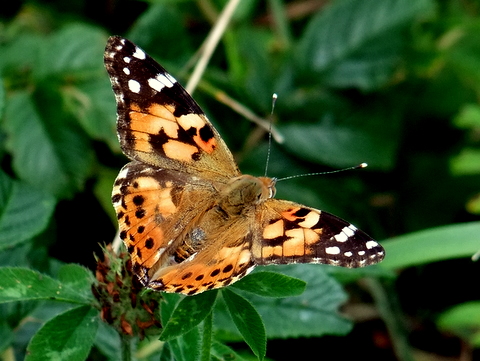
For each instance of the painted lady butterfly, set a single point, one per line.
(190, 220)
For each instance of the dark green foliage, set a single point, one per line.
(393, 83)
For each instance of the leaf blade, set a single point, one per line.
(22, 284)
(248, 322)
(68, 336)
(188, 314)
(271, 284)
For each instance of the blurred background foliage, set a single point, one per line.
(394, 83)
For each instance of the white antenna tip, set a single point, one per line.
(363, 165)
(274, 96)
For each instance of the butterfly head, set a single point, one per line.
(269, 183)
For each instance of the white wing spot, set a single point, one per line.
(139, 54)
(350, 230)
(371, 244)
(166, 79)
(361, 253)
(134, 86)
(345, 233)
(171, 78)
(155, 84)
(126, 59)
(341, 237)
(348, 254)
(332, 250)
(126, 71)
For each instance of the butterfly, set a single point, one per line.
(189, 219)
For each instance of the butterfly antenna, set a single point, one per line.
(362, 165)
(274, 100)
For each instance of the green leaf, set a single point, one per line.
(473, 204)
(24, 211)
(248, 322)
(108, 342)
(162, 23)
(21, 284)
(271, 284)
(103, 190)
(250, 64)
(187, 346)
(461, 55)
(60, 159)
(431, 245)
(343, 141)
(463, 320)
(78, 49)
(468, 117)
(207, 332)
(68, 336)
(169, 302)
(312, 314)
(21, 52)
(357, 41)
(6, 335)
(78, 278)
(466, 163)
(224, 353)
(188, 314)
(92, 103)
(2, 97)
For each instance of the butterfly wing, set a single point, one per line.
(177, 239)
(208, 269)
(288, 232)
(154, 207)
(158, 122)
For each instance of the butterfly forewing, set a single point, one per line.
(292, 233)
(184, 214)
(158, 122)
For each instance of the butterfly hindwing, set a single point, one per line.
(206, 270)
(176, 235)
(153, 208)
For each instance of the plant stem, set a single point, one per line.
(126, 347)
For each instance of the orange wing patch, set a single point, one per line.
(200, 272)
(157, 127)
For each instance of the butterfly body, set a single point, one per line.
(189, 219)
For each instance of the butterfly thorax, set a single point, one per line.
(244, 193)
(236, 201)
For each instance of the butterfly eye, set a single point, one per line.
(273, 191)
